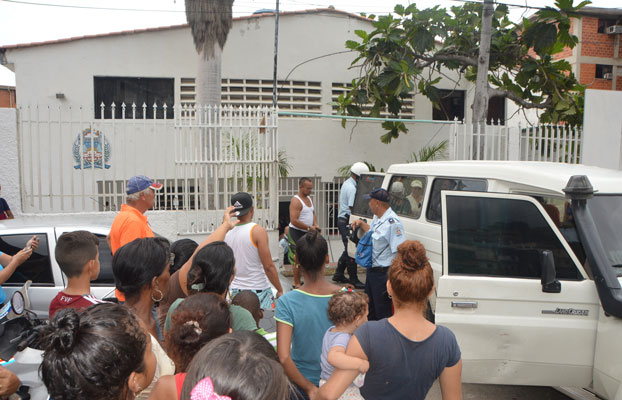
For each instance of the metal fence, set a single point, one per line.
(74, 160)
(554, 143)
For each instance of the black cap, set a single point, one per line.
(378, 194)
(242, 202)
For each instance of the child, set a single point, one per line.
(77, 255)
(301, 319)
(249, 300)
(347, 310)
(240, 366)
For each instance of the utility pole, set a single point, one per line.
(276, 53)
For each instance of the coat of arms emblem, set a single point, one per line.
(91, 150)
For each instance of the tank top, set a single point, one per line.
(179, 383)
(249, 269)
(306, 214)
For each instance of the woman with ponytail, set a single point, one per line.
(141, 272)
(102, 353)
(301, 318)
(406, 352)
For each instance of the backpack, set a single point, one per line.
(364, 250)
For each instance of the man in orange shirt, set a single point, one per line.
(131, 223)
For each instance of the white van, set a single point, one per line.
(528, 266)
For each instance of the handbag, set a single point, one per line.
(364, 250)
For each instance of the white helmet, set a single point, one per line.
(359, 168)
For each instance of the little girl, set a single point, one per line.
(347, 310)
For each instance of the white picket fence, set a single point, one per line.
(553, 143)
(76, 160)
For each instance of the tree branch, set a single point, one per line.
(450, 57)
(492, 92)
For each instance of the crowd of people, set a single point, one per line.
(185, 324)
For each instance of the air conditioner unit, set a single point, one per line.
(608, 76)
(614, 29)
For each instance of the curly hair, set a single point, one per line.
(90, 355)
(345, 307)
(410, 274)
(198, 319)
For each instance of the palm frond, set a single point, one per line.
(430, 153)
(210, 22)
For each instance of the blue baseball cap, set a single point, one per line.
(139, 183)
(378, 194)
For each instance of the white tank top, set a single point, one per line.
(306, 214)
(249, 269)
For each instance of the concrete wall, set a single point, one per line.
(602, 129)
(9, 160)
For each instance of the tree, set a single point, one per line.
(210, 22)
(403, 53)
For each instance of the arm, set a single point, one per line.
(283, 344)
(217, 235)
(9, 214)
(294, 215)
(14, 262)
(259, 236)
(342, 378)
(338, 358)
(315, 224)
(9, 383)
(451, 382)
(164, 389)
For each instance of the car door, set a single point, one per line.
(40, 268)
(490, 294)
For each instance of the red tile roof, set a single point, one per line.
(163, 28)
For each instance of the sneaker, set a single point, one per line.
(357, 284)
(340, 279)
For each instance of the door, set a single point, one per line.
(490, 293)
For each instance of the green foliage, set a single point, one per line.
(430, 153)
(396, 58)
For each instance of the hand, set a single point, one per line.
(313, 393)
(33, 242)
(9, 383)
(316, 227)
(364, 366)
(227, 218)
(22, 255)
(278, 294)
(356, 223)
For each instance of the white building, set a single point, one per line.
(160, 65)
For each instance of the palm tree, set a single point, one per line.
(210, 23)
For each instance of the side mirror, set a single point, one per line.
(18, 303)
(548, 279)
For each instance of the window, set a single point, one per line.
(450, 106)
(601, 70)
(365, 185)
(37, 268)
(496, 110)
(434, 205)
(139, 91)
(106, 277)
(407, 195)
(604, 23)
(502, 237)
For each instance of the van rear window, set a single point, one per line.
(365, 185)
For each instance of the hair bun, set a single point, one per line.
(413, 255)
(65, 327)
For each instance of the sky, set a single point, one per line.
(26, 21)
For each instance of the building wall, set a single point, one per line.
(9, 160)
(602, 137)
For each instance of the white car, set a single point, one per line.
(41, 268)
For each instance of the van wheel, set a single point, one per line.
(429, 315)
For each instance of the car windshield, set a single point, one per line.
(607, 213)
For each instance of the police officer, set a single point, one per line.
(387, 234)
(346, 202)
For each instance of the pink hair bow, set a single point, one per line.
(204, 390)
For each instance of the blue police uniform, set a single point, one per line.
(346, 200)
(388, 234)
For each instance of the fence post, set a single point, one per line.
(453, 135)
(514, 143)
